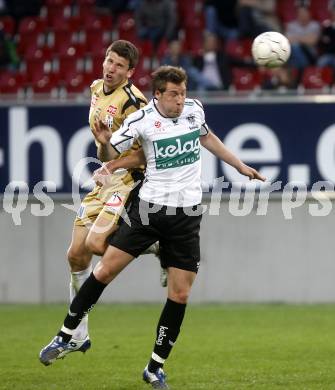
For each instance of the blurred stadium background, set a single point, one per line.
(288, 133)
(55, 47)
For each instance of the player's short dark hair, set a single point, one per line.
(126, 50)
(167, 74)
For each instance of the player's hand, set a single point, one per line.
(251, 173)
(101, 132)
(102, 175)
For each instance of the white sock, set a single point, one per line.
(77, 280)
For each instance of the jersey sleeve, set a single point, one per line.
(134, 101)
(131, 106)
(124, 138)
(204, 130)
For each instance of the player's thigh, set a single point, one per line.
(101, 229)
(107, 221)
(112, 263)
(180, 282)
(90, 208)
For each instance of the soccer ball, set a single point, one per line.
(270, 49)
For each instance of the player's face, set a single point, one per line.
(171, 101)
(115, 71)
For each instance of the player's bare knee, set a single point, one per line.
(103, 272)
(78, 260)
(71, 256)
(180, 296)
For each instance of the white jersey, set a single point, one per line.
(172, 150)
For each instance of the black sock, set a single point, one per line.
(82, 303)
(167, 331)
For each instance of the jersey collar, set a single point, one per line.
(126, 82)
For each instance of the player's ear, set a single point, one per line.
(130, 73)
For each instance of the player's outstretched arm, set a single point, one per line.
(134, 160)
(212, 143)
(103, 134)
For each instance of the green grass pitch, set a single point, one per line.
(220, 347)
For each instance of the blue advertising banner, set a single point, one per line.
(287, 142)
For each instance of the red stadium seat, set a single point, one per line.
(142, 81)
(58, 3)
(56, 16)
(320, 10)
(7, 24)
(94, 66)
(11, 82)
(96, 41)
(32, 24)
(78, 83)
(86, 14)
(70, 60)
(194, 41)
(162, 48)
(46, 84)
(141, 78)
(146, 48)
(39, 53)
(29, 42)
(286, 10)
(92, 21)
(60, 40)
(191, 14)
(317, 78)
(127, 28)
(68, 66)
(189, 9)
(239, 49)
(245, 79)
(72, 50)
(35, 68)
(72, 24)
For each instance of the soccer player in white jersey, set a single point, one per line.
(171, 129)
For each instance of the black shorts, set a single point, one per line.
(138, 178)
(176, 229)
